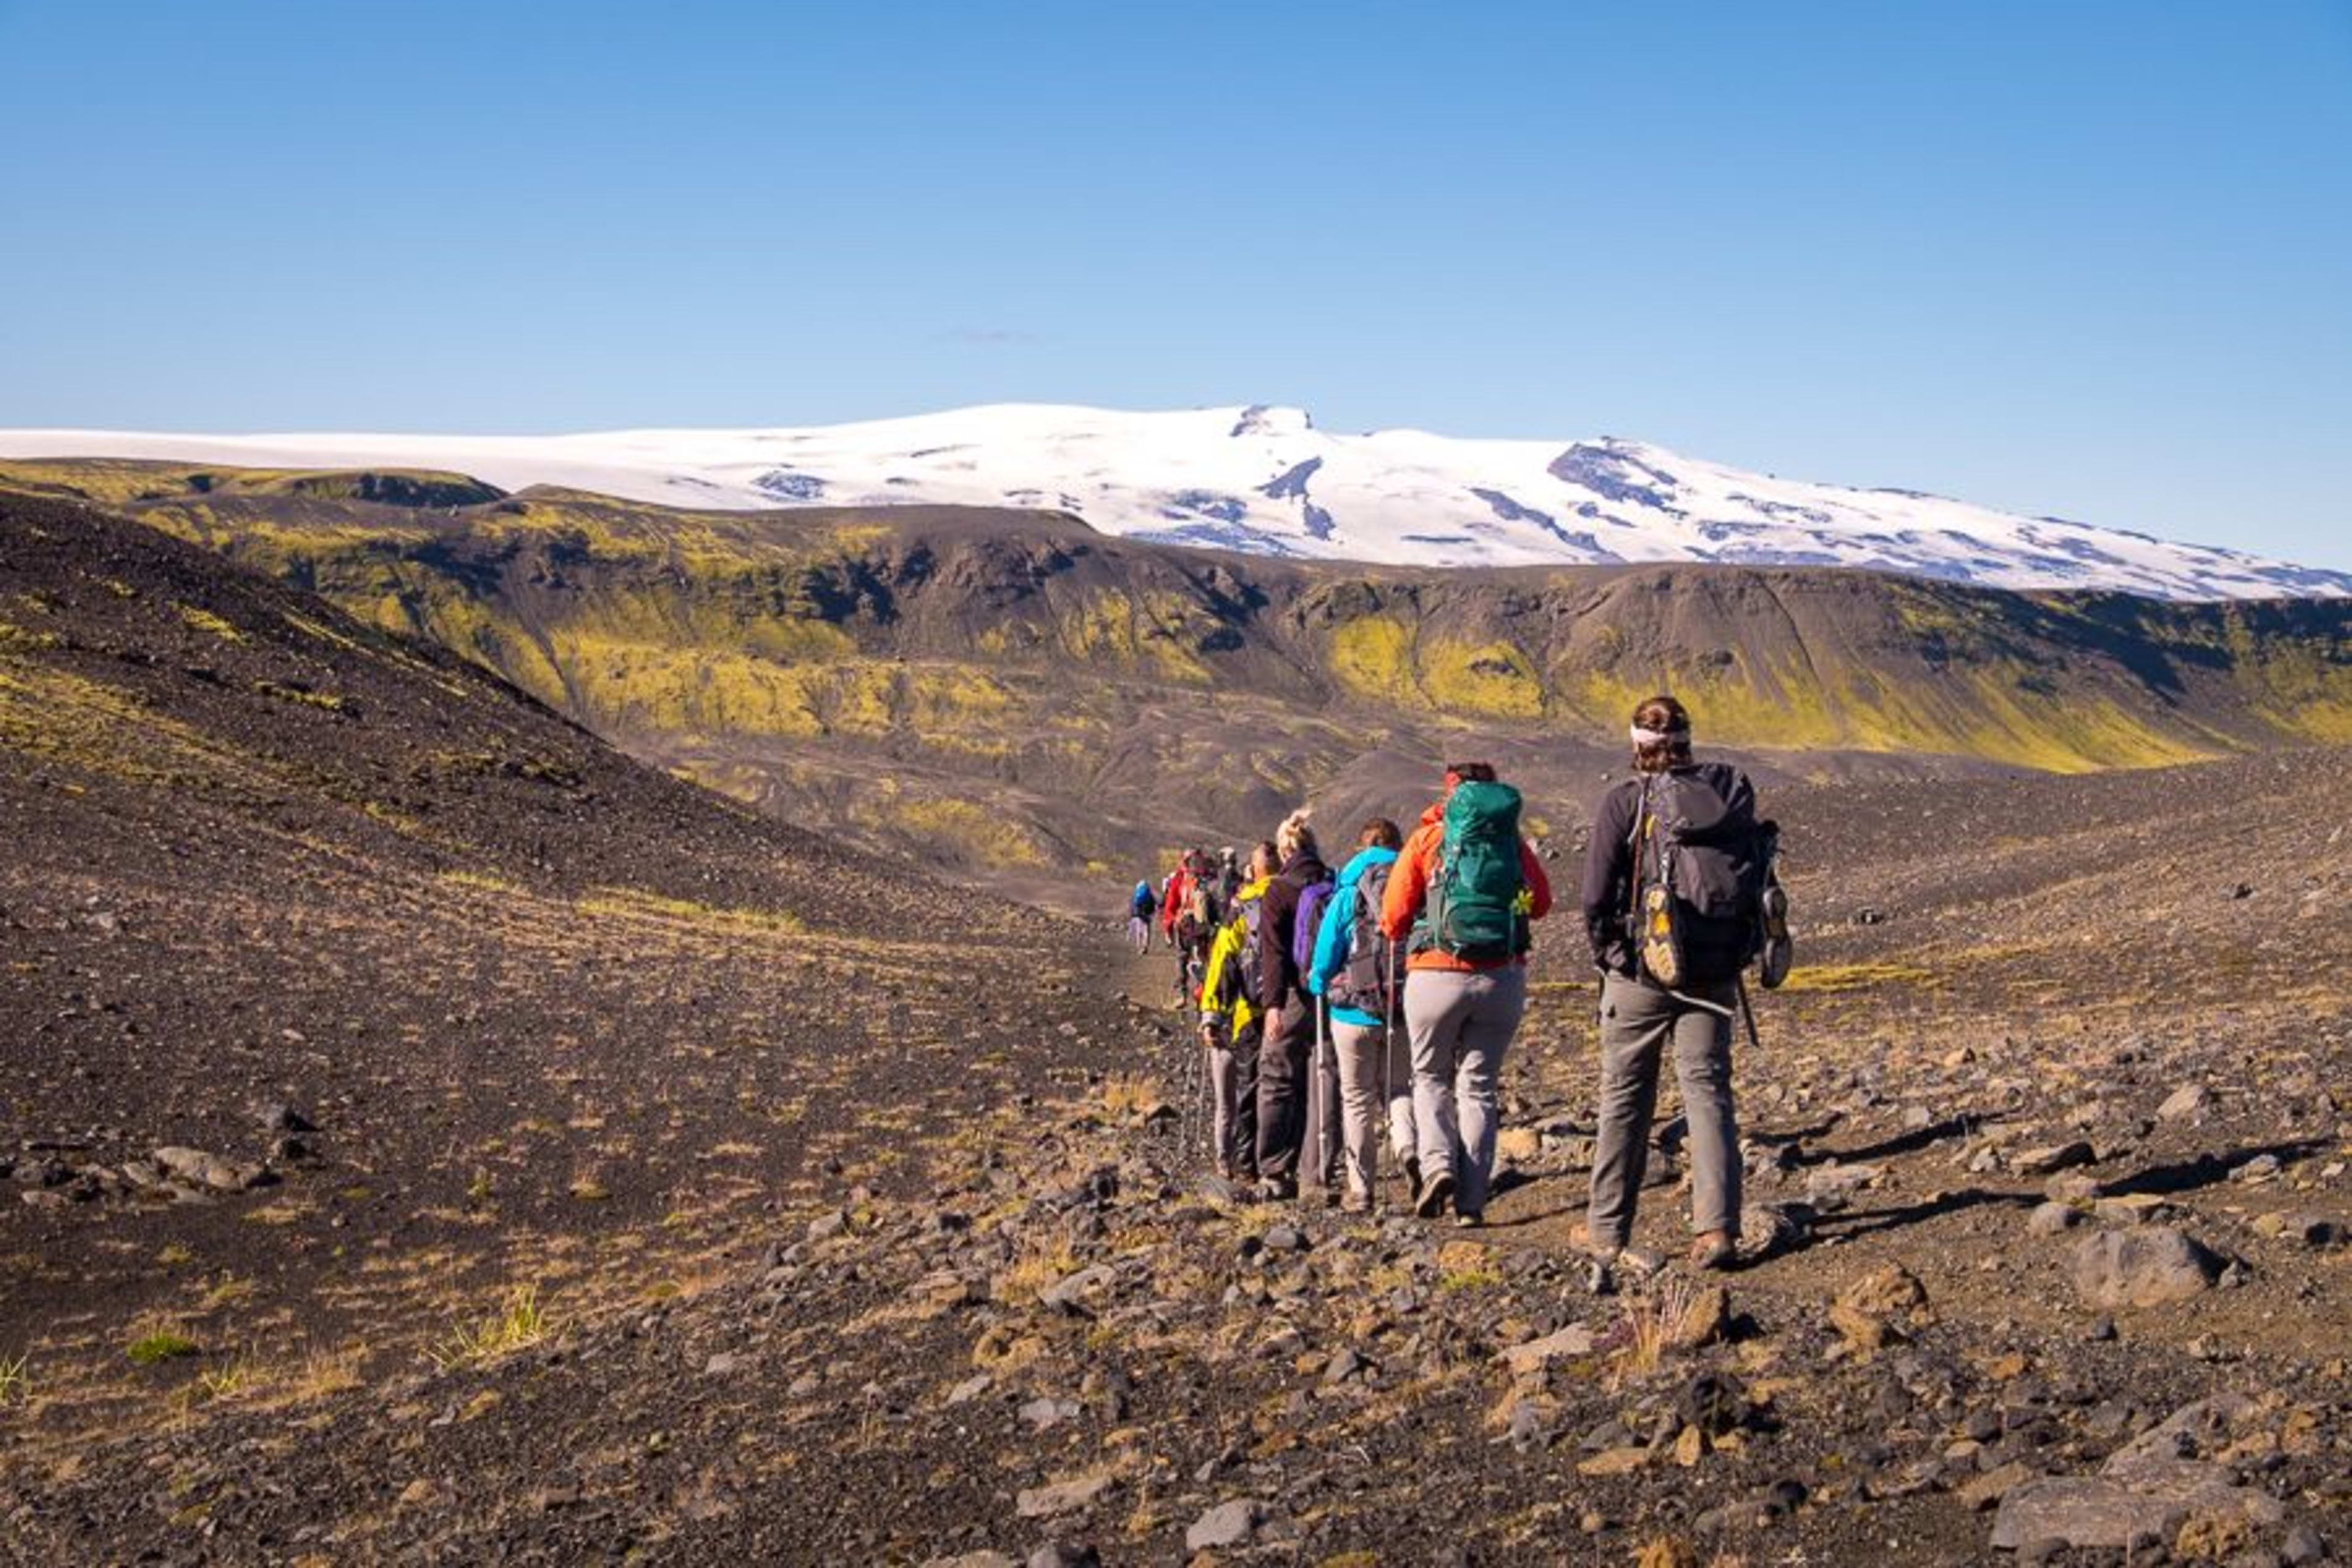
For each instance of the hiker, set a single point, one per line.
(1233, 1025)
(1284, 1058)
(1196, 928)
(1354, 969)
(1139, 910)
(1173, 900)
(1677, 836)
(1464, 892)
(1229, 876)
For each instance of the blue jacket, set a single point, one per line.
(1338, 933)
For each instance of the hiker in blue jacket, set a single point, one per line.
(1354, 971)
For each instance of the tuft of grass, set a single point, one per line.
(15, 1384)
(163, 1345)
(228, 1292)
(522, 1323)
(1651, 1317)
(206, 621)
(228, 1380)
(1126, 1097)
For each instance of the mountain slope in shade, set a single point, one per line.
(1266, 480)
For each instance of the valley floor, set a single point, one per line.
(945, 1296)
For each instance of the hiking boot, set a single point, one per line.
(1412, 1179)
(1436, 1195)
(1715, 1250)
(1468, 1219)
(1275, 1190)
(1356, 1203)
(1601, 1276)
(1780, 952)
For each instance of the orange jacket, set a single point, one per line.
(1409, 887)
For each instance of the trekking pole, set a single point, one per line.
(1748, 1014)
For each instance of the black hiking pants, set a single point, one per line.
(1239, 1156)
(1283, 1066)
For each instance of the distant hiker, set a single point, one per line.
(1229, 876)
(1356, 970)
(1139, 910)
(1173, 900)
(1288, 1053)
(1196, 928)
(1233, 1025)
(1674, 879)
(1463, 893)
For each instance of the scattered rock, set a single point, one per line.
(2049, 1219)
(1707, 1321)
(2145, 1490)
(1575, 1340)
(1233, 1523)
(1062, 1496)
(199, 1168)
(2056, 1157)
(2142, 1267)
(2190, 1099)
(1882, 1306)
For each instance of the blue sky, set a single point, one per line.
(2086, 259)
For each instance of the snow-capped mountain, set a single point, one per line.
(1265, 479)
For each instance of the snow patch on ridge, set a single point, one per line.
(1263, 478)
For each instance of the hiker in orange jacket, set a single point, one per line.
(1461, 1007)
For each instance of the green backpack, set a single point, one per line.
(1477, 896)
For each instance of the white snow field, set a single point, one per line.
(1265, 479)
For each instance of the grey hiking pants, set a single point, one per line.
(1319, 1157)
(1638, 1022)
(1461, 1022)
(1364, 1081)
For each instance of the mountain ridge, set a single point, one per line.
(1016, 696)
(1265, 480)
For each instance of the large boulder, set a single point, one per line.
(2142, 1266)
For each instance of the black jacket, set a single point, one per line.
(1279, 982)
(1609, 856)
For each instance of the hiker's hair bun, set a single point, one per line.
(1294, 834)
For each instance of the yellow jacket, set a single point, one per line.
(1222, 1005)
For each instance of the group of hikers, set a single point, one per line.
(1377, 1004)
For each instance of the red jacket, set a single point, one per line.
(1172, 902)
(1409, 889)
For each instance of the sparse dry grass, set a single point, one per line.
(1127, 1098)
(1652, 1317)
(16, 1382)
(522, 1323)
(1835, 978)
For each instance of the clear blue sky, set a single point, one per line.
(2090, 260)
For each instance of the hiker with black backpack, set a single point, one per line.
(1354, 970)
(1287, 1057)
(1678, 898)
(1462, 895)
(1233, 1023)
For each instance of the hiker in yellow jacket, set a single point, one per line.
(1232, 1025)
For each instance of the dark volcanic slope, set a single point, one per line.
(555, 1015)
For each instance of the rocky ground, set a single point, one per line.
(434, 1139)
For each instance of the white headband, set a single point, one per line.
(1656, 736)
